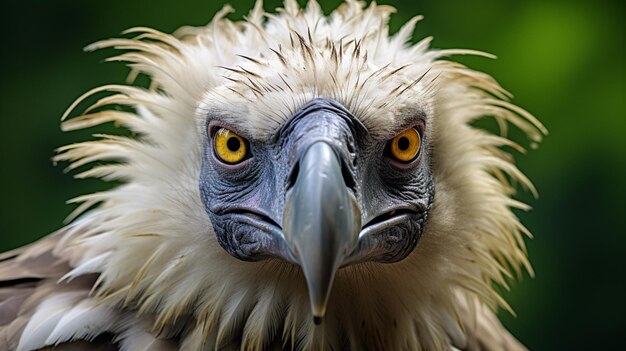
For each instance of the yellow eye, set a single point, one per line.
(406, 145)
(230, 147)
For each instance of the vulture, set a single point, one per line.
(293, 180)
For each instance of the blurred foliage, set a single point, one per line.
(563, 60)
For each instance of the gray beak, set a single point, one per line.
(321, 222)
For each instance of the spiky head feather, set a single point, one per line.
(150, 241)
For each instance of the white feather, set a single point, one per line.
(84, 321)
(46, 318)
(92, 265)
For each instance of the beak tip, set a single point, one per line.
(318, 310)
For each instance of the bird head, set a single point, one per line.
(296, 166)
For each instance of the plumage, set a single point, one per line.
(139, 266)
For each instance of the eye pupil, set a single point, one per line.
(233, 144)
(403, 143)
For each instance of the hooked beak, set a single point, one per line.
(321, 222)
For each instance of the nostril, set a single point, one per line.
(293, 176)
(348, 177)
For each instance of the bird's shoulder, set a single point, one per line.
(34, 306)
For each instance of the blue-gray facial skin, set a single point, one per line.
(249, 202)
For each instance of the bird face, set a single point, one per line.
(321, 192)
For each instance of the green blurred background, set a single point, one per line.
(563, 60)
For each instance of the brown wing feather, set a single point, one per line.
(101, 343)
(27, 276)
